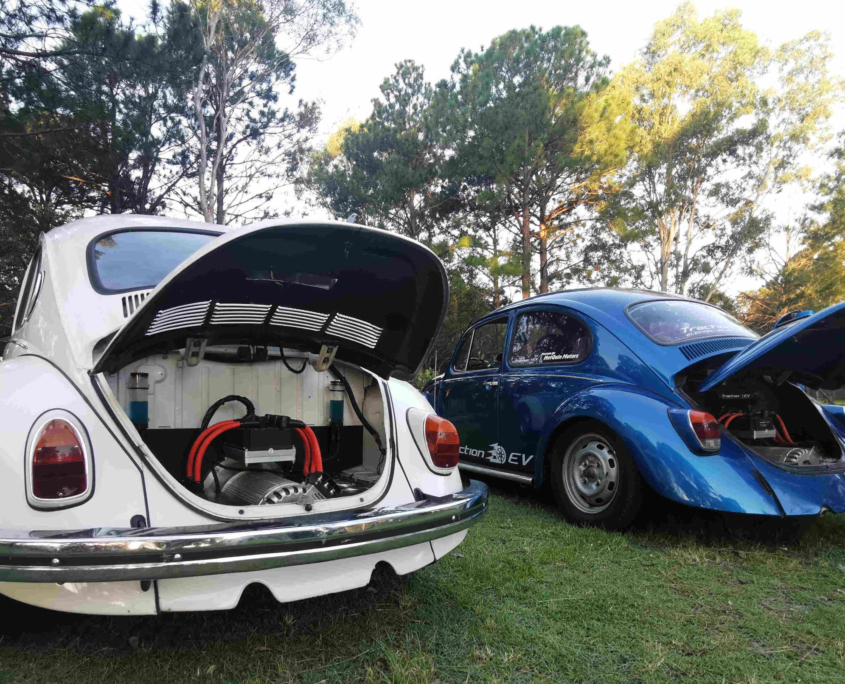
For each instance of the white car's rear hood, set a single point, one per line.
(378, 296)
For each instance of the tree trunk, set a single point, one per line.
(526, 245)
(544, 265)
(544, 252)
(667, 229)
(221, 196)
(497, 298)
(412, 216)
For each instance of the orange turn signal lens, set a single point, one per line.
(443, 442)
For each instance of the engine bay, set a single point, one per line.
(243, 429)
(777, 420)
(752, 413)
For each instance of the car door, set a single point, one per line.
(469, 394)
(542, 367)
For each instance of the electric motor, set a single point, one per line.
(254, 488)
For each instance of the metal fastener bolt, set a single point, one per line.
(177, 556)
(56, 561)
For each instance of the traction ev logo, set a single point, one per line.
(497, 454)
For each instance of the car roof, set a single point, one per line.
(604, 297)
(80, 312)
(607, 305)
(82, 231)
(610, 300)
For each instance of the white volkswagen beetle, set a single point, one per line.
(187, 409)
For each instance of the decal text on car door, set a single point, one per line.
(497, 454)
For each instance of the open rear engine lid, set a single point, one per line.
(810, 351)
(378, 296)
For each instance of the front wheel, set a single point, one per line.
(594, 479)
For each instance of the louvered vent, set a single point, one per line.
(236, 314)
(696, 349)
(131, 302)
(298, 318)
(355, 330)
(185, 316)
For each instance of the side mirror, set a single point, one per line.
(791, 317)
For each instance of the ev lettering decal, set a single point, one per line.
(498, 455)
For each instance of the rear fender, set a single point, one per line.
(723, 482)
(29, 387)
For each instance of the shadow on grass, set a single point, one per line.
(667, 520)
(37, 630)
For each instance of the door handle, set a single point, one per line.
(491, 383)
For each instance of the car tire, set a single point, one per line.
(594, 478)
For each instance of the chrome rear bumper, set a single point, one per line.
(119, 554)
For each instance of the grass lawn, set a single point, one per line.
(527, 598)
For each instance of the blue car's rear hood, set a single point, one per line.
(810, 351)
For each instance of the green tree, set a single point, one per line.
(386, 169)
(522, 114)
(245, 144)
(813, 275)
(123, 89)
(711, 144)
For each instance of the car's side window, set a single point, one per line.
(29, 290)
(543, 338)
(463, 353)
(488, 342)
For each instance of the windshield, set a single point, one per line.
(140, 259)
(673, 322)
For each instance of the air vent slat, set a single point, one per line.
(185, 316)
(298, 318)
(355, 330)
(236, 314)
(697, 349)
(132, 302)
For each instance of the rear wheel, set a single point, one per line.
(594, 479)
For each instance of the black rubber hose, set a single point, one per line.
(334, 371)
(250, 408)
(288, 366)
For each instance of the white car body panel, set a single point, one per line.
(222, 592)
(94, 598)
(46, 367)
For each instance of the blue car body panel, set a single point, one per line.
(724, 481)
(810, 348)
(508, 417)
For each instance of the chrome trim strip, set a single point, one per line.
(120, 554)
(511, 375)
(492, 472)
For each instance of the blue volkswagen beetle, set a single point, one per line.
(614, 395)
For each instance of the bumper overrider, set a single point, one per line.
(120, 554)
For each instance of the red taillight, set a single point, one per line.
(58, 462)
(706, 429)
(443, 442)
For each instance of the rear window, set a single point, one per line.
(676, 322)
(140, 259)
